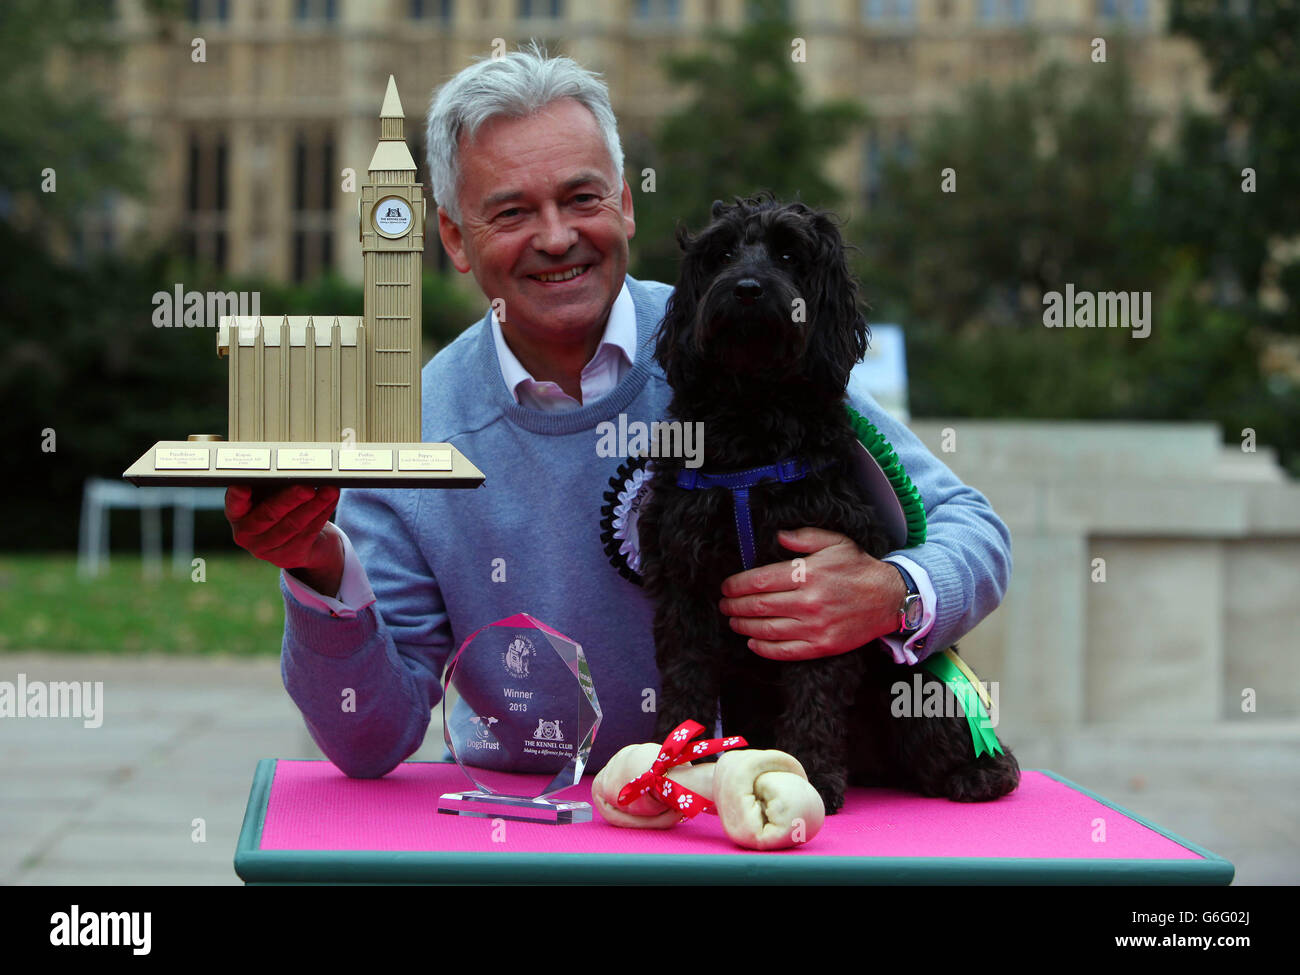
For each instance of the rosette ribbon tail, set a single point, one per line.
(961, 680)
(678, 749)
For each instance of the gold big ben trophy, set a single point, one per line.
(332, 399)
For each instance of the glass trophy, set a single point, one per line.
(519, 716)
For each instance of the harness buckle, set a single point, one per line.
(791, 470)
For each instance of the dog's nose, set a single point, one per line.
(748, 291)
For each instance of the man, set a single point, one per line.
(525, 165)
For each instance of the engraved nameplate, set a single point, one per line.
(181, 458)
(243, 458)
(304, 459)
(433, 459)
(365, 460)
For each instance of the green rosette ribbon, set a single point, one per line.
(981, 728)
(883, 453)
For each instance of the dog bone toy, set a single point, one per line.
(763, 797)
(765, 800)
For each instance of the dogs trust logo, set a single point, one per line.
(516, 656)
(483, 737)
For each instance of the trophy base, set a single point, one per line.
(489, 806)
(217, 463)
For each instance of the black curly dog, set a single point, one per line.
(768, 385)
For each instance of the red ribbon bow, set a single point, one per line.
(676, 752)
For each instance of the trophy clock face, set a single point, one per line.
(520, 713)
(391, 217)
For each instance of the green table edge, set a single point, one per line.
(265, 867)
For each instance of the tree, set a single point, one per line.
(1009, 195)
(745, 128)
(1252, 48)
(50, 123)
(1058, 182)
(1238, 168)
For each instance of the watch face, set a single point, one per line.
(913, 612)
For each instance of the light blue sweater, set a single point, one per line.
(430, 557)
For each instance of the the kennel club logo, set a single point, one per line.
(548, 742)
(392, 216)
(548, 731)
(516, 656)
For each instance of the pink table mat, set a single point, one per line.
(314, 806)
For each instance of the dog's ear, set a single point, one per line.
(840, 334)
(683, 237)
(673, 346)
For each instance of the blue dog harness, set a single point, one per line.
(739, 483)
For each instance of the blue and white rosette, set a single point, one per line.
(628, 493)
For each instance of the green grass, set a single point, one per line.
(44, 605)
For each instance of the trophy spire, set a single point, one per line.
(392, 154)
(392, 107)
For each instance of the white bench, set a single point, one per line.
(101, 496)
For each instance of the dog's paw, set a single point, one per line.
(832, 799)
(982, 779)
(831, 789)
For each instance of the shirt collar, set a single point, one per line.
(620, 334)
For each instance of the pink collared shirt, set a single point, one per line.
(613, 358)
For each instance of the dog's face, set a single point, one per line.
(764, 293)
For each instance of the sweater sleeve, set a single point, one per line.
(967, 551)
(365, 684)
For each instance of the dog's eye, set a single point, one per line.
(788, 258)
(727, 257)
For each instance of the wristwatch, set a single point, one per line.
(911, 610)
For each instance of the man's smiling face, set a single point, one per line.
(545, 224)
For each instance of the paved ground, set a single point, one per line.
(181, 737)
